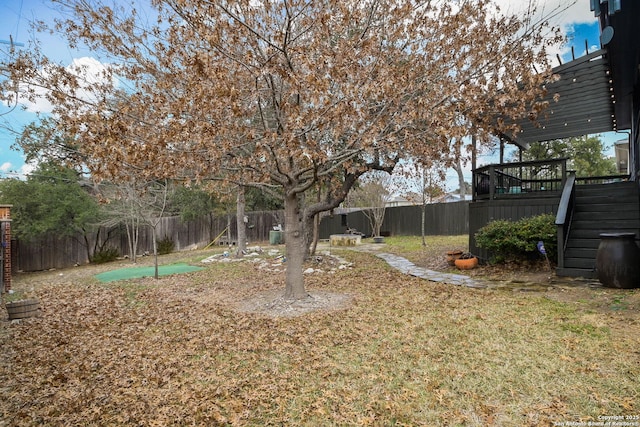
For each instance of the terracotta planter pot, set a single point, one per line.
(452, 256)
(466, 264)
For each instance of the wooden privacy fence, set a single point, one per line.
(445, 219)
(66, 251)
(62, 252)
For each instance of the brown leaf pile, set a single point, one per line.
(185, 350)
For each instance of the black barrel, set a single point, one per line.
(618, 261)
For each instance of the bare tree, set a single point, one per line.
(241, 222)
(122, 210)
(135, 204)
(457, 166)
(373, 195)
(151, 206)
(422, 182)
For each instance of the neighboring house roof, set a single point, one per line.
(399, 201)
(449, 198)
(344, 211)
(416, 199)
(621, 149)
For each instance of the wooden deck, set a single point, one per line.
(509, 181)
(512, 191)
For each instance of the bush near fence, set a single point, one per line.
(62, 252)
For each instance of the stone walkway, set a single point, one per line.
(407, 267)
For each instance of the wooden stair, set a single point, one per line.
(599, 208)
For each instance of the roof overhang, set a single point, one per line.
(585, 102)
(596, 92)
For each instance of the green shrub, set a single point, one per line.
(165, 246)
(516, 240)
(105, 255)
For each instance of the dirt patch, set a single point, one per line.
(603, 300)
(273, 304)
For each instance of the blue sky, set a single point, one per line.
(578, 22)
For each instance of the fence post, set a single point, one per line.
(492, 182)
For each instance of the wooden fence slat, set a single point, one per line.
(440, 219)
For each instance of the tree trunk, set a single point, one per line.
(136, 238)
(212, 232)
(240, 223)
(307, 227)
(295, 249)
(96, 243)
(315, 226)
(379, 215)
(461, 183)
(316, 234)
(132, 256)
(423, 212)
(155, 252)
(132, 239)
(87, 245)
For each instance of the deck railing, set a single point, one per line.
(602, 179)
(522, 179)
(564, 215)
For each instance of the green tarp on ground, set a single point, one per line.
(137, 272)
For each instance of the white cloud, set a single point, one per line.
(27, 169)
(8, 169)
(90, 70)
(40, 105)
(561, 13)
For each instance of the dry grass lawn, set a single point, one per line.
(390, 350)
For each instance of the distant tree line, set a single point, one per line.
(585, 155)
